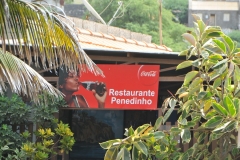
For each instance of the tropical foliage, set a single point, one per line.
(145, 142)
(235, 35)
(16, 117)
(208, 103)
(39, 37)
(178, 8)
(144, 20)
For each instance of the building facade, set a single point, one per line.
(223, 13)
(108, 45)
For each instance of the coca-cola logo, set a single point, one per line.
(147, 76)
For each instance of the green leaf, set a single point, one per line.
(184, 64)
(190, 38)
(224, 61)
(196, 82)
(165, 104)
(196, 17)
(158, 123)
(205, 54)
(111, 153)
(124, 154)
(182, 121)
(235, 151)
(109, 144)
(141, 147)
(175, 130)
(220, 109)
(228, 104)
(229, 42)
(197, 63)
(214, 136)
(213, 122)
(236, 103)
(135, 154)
(204, 95)
(4, 148)
(214, 74)
(220, 45)
(172, 102)
(236, 73)
(201, 137)
(186, 155)
(130, 131)
(4, 127)
(193, 51)
(230, 127)
(231, 68)
(216, 83)
(186, 135)
(161, 155)
(166, 116)
(201, 26)
(186, 104)
(189, 76)
(211, 29)
(215, 34)
(190, 124)
(183, 53)
(236, 60)
(221, 127)
(215, 57)
(184, 114)
(222, 68)
(158, 135)
(181, 90)
(212, 49)
(141, 129)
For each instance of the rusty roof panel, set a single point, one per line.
(99, 41)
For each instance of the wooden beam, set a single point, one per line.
(51, 79)
(171, 79)
(161, 79)
(134, 59)
(47, 69)
(167, 69)
(127, 63)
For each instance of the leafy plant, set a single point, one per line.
(235, 35)
(46, 143)
(50, 136)
(146, 142)
(208, 102)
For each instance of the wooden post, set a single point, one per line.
(160, 22)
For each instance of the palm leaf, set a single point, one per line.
(21, 78)
(36, 32)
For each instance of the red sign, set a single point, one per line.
(123, 87)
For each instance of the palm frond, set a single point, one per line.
(36, 32)
(22, 79)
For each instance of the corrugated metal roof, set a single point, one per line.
(96, 41)
(102, 42)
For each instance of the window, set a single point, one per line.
(226, 17)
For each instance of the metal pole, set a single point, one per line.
(160, 22)
(114, 16)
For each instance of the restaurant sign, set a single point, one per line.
(122, 87)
